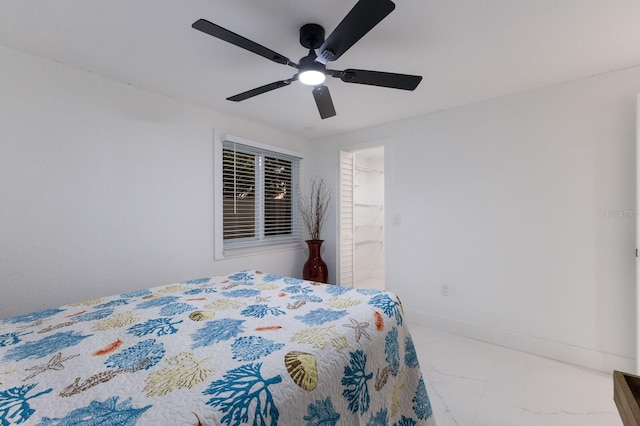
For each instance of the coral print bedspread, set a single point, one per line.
(248, 348)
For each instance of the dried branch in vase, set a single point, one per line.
(313, 209)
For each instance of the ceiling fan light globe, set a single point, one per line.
(311, 77)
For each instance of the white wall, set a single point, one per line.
(106, 188)
(515, 204)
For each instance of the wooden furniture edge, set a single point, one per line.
(625, 400)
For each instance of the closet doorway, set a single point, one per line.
(362, 245)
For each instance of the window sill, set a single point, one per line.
(258, 250)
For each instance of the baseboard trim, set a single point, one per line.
(579, 356)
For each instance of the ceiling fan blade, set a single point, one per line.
(233, 38)
(259, 90)
(378, 78)
(323, 101)
(365, 15)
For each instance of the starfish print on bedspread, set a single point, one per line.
(55, 363)
(359, 328)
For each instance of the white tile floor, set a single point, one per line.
(472, 383)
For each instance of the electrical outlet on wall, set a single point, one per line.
(444, 290)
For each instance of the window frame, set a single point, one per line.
(261, 244)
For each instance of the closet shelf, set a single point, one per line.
(368, 170)
(378, 227)
(377, 206)
(368, 243)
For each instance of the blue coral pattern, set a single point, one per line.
(321, 316)
(245, 348)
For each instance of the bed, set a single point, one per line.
(247, 348)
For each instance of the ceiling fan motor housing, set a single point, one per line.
(311, 36)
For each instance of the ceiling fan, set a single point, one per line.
(312, 70)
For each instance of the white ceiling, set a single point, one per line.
(466, 50)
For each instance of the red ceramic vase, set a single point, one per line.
(314, 268)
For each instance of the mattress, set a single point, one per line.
(247, 348)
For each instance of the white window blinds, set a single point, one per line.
(259, 196)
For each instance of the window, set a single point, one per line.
(258, 194)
